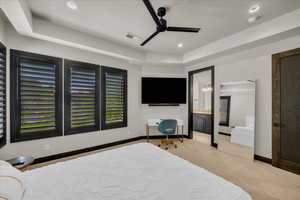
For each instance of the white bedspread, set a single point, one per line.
(135, 172)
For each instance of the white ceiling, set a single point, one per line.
(113, 19)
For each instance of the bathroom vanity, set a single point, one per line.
(202, 121)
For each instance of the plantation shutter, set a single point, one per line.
(2, 95)
(81, 97)
(37, 96)
(114, 98)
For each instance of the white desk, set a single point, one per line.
(156, 122)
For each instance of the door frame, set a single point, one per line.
(190, 101)
(276, 105)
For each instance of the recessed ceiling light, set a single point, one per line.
(254, 8)
(179, 45)
(72, 5)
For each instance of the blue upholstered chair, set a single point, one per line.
(167, 127)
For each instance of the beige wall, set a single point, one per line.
(251, 64)
(164, 112)
(48, 146)
(137, 113)
(2, 28)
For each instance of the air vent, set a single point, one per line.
(133, 36)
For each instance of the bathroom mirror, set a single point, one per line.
(237, 118)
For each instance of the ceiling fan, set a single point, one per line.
(161, 24)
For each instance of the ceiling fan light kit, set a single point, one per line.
(161, 23)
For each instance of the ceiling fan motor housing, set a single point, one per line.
(161, 11)
(163, 26)
(161, 23)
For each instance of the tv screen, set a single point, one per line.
(163, 90)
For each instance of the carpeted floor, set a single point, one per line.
(260, 180)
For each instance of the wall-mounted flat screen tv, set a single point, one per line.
(163, 90)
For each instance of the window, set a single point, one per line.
(81, 97)
(114, 98)
(2, 95)
(36, 96)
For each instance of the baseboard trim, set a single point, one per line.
(263, 159)
(227, 134)
(94, 148)
(80, 151)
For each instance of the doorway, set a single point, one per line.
(201, 105)
(286, 110)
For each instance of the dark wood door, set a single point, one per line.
(286, 110)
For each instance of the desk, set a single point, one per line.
(155, 123)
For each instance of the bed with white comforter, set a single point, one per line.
(135, 172)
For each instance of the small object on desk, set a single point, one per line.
(21, 162)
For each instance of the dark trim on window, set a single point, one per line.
(67, 98)
(228, 98)
(15, 106)
(190, 102)
(3, 95)
(104, 125)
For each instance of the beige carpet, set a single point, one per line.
(260, 180)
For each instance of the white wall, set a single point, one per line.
(163, 112)
(251, 64)
(49, 146)
(2, 28)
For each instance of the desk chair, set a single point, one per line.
(167, 127)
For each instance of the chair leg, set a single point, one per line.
(167, 143)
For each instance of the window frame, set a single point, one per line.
(124, 123)
(15, 106)
(67, 116)
(3, 140)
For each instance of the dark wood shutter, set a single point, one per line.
(81, 97)
(2, 95)
(36, 96)
(114, 98)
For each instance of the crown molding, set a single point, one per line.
(20, 16)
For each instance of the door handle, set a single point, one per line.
(275, 124)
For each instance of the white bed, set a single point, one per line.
(135, 172)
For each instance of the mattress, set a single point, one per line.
(135, 172)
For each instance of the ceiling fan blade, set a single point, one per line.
(152, 12)
(149, 38)
(183, 29)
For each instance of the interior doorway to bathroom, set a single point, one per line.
(201, 105)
